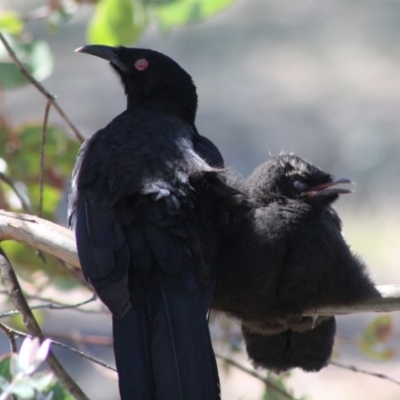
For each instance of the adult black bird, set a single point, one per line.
(282, 252)
(141, 239)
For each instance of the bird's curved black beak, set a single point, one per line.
(107, 52)
(327, 189)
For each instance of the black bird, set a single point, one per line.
(281, 253)
(141, 238)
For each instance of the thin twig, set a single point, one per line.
(84, 355)
(77, 274)
(63, 346)
(51, 98)
(52, 306)
(13, 344)
(256, 375)
(363, 371)
(20, 303)
(42, 147)
(10, 182)
(82, 339)
(11, 336)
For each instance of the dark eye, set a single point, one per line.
(141, 64)
(299, 185)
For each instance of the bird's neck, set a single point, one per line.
(164, 105)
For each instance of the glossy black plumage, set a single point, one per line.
(141, 238)
(282, 252)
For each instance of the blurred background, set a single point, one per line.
(321, 79)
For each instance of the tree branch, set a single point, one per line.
(11, 331)
(364, 371)
(59, 241)
(19, 301)
(54, 305)
(255, 374)
(389, 301)
(51, 98)
(39, 234)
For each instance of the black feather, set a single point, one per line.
(282, 252)
(141, 240)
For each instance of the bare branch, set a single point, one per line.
(11, 336)
(255, 374)
(42, 147)
(51, 98)
(75, 273)
(52, 306)
(39, 234)
(363, 371)
(59, 241)
(389, 301)
(10, 182)
(63, 346)
(19, 301)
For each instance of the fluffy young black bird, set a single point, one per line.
(282, 252)
(140, 238)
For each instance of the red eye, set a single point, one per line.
(141, 64)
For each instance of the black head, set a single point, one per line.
(150, 78)
(291, 177)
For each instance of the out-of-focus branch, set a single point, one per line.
(364, 371)
(20, 303)
(51, 98)
(10, 182)
(42, 160)
(255, 374)
(11, 336)
(54, 305)
(63, 346)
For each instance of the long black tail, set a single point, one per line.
(131, 349)
(162, 345)
(309, 350)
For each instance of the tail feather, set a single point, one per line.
(131, 348)
(173, 340)
(188, 368)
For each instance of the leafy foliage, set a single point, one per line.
(34, 53)
(22, 164)
(374, 340)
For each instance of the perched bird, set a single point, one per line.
(143, 237)
(282, 252)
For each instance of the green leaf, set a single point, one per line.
(374, 338)
(61, 14)
(59, 392)
(4, 383)
(18, 323)
(24, 390)
(42, 380)
(36, 57)
(14, 364)
(11, 22)
(183, 12)
(5, 366)
(117, 22)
